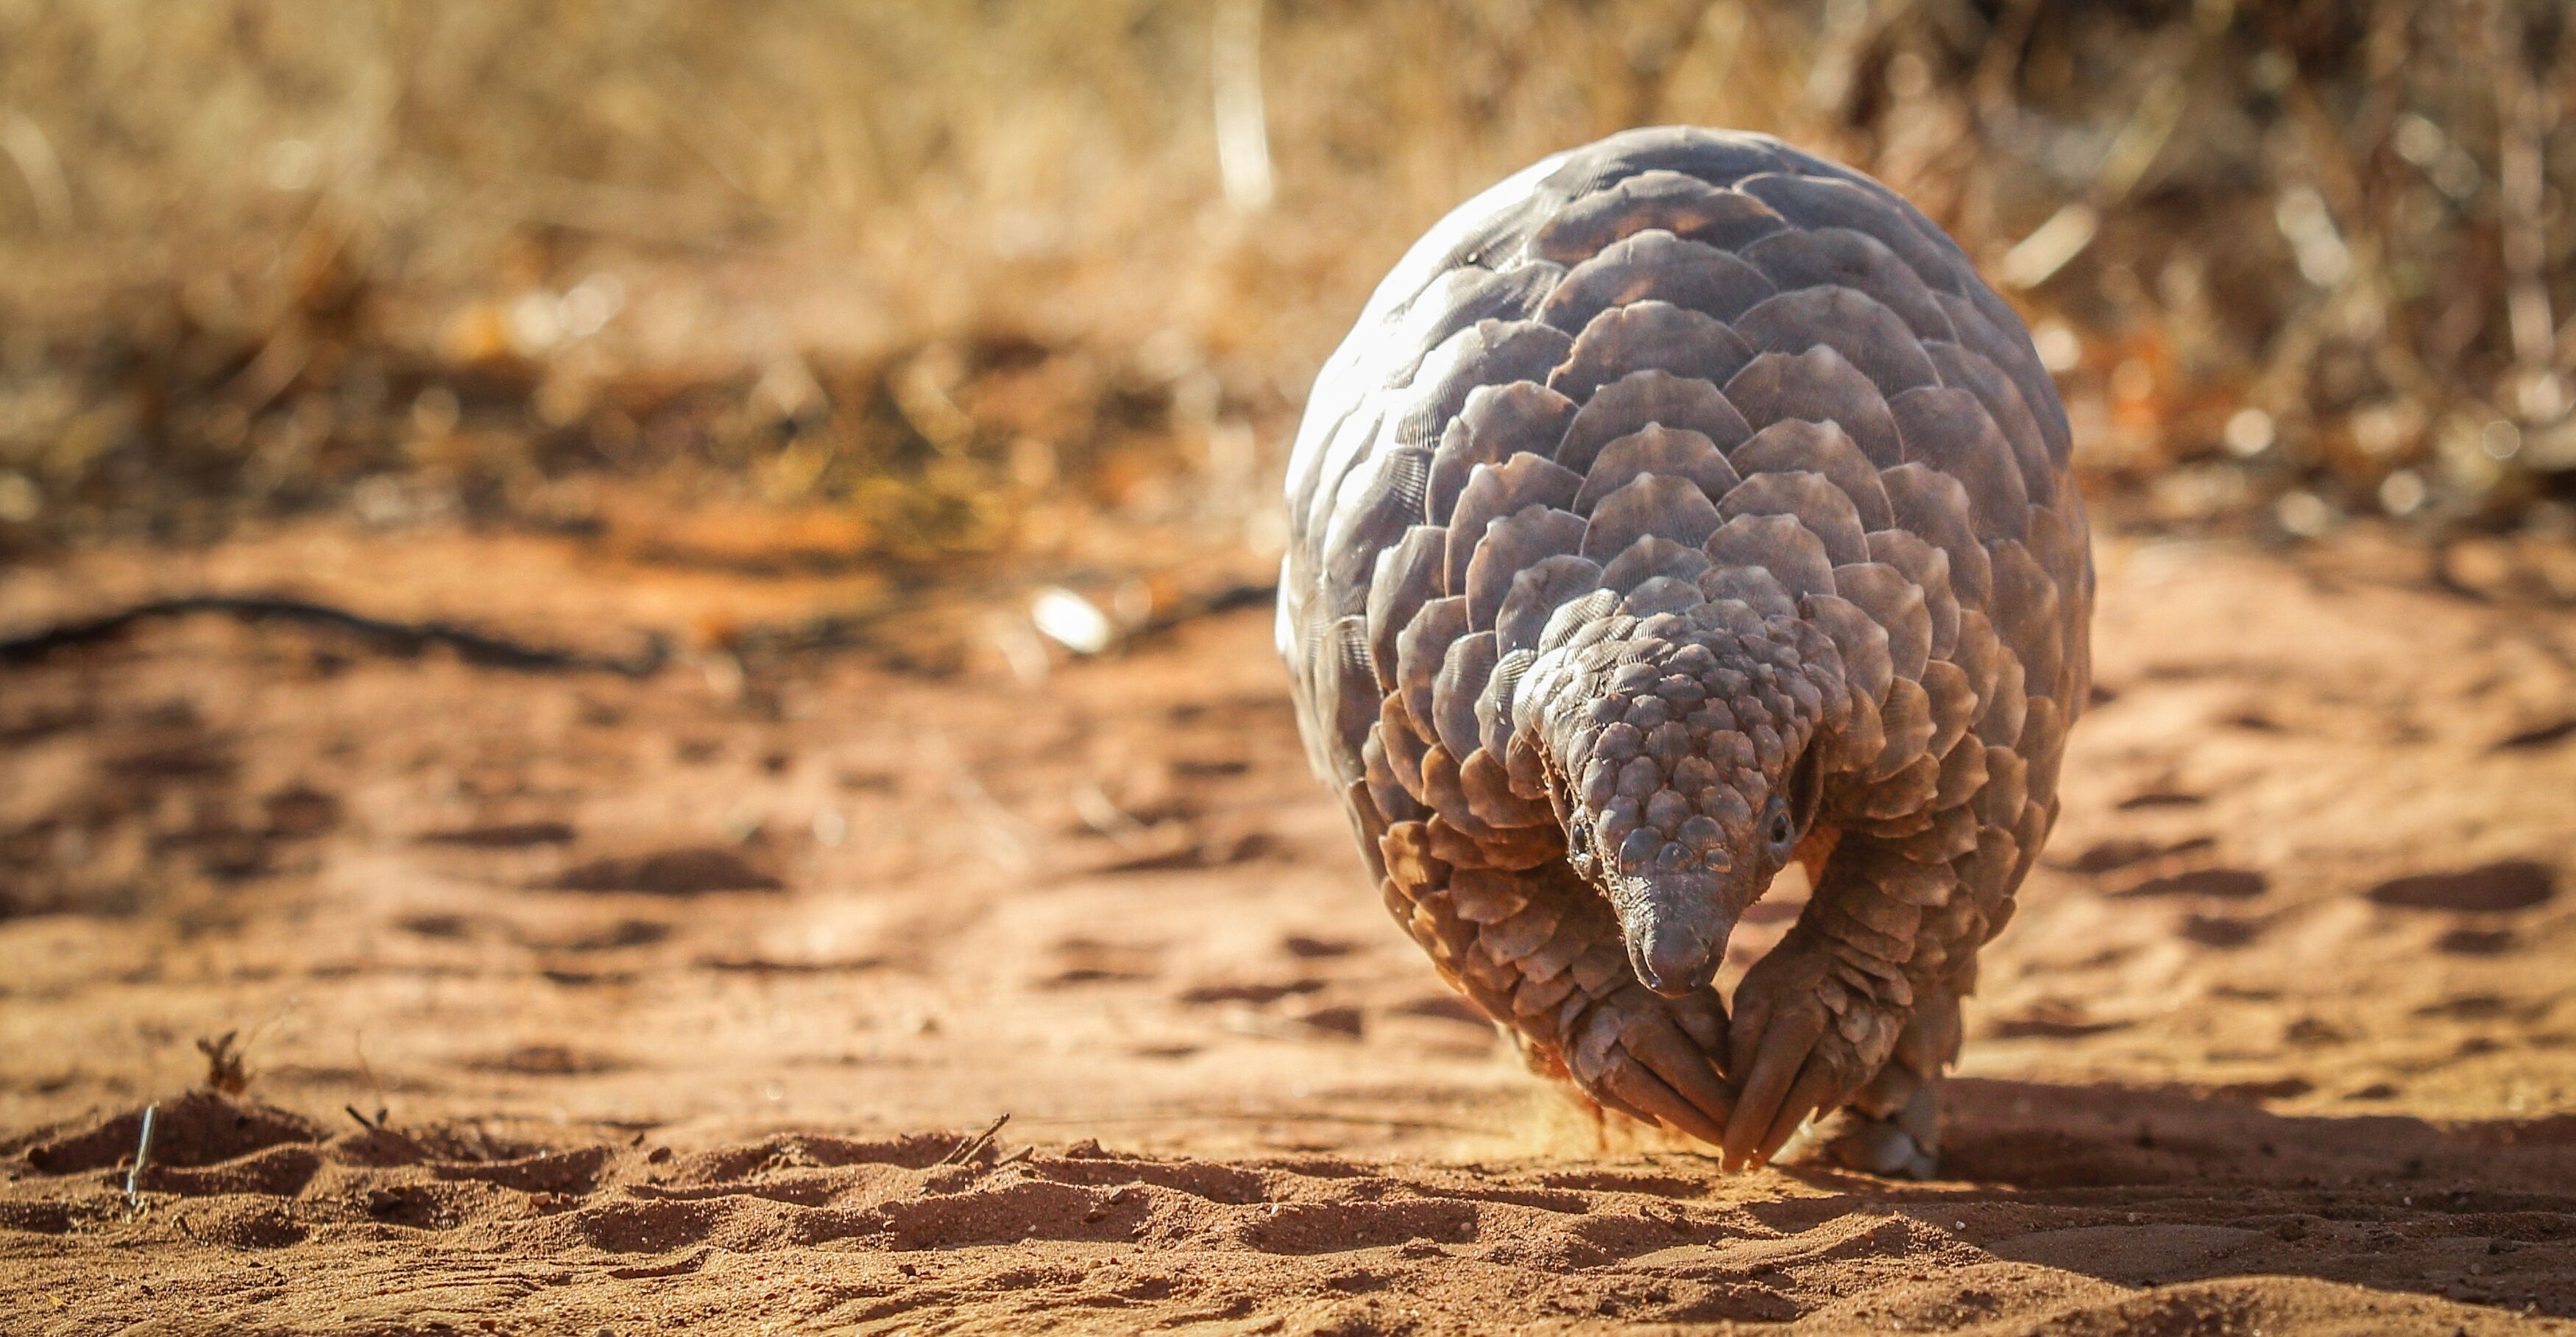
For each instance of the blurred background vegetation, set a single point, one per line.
(906, 282)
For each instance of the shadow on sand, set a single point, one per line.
(2167, 1186)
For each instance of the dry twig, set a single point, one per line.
(142, 1159)
(973, 1146)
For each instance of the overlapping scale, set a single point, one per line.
(1511, 546)
(1815, 200)
(1496, 491)
(1896, 604)
(1934, 507)
(1989, 329)
(1538, 589)
(1929, 570)
(1463, 674)
(1867, 335)
(1650, 398)
(1842, 258)
(1818, 385)
(1795, 445)
(1657, 266)
(1498, 422)
(1490, 352)
(1675, 452)
(2002, 401)
(1664, 201)
(1779, 546)
(1422, 648)
(1812, 500)
(2025, 609)
(1408, 576)
(1948, 430)
(1471, 295)
(1667, 507)
(1374, 514)
(1715, 158)
(1650, 335)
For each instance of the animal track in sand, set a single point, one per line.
(2223, 883)
(501, 835)
(2512, 884)
(693, 871)
(2220, 931)
(2109, 855)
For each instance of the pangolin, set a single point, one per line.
(1680, 507)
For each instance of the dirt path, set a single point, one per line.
(676, 989)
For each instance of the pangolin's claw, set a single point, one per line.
(1633, 1082)
(1691, 1071)
(1818, 1087)
(1780, 1041)
(1602, 1094)
(1795, 1053)
(1653, 1070)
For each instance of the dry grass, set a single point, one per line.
(960, 275)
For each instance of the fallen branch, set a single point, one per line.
(473, 646)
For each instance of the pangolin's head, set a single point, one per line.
(1685, 765)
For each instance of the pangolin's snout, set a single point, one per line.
(1676, 927)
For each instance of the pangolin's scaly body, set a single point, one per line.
(1682, 505)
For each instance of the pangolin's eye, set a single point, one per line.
(1779, 831)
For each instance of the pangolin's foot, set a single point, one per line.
(1655, 1059)
(1802, 1040)
(1892, 1126)
(1902, 1143)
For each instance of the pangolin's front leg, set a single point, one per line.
(1538, 950)
(1892, 1125)
(1858, 1007)
(1820, 1015)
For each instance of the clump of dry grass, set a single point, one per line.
(226, 1066)
(966, 273)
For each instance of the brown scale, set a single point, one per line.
(1683, 509)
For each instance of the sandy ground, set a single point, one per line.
(580, 1003)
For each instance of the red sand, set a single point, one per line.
(676, 990)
